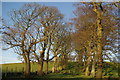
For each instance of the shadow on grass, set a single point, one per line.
(59, 79)
(52, 76)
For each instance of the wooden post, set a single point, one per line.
(6, 71)
(11, 69)
(15, 69)
(22, 69)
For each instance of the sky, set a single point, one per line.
(65, 8)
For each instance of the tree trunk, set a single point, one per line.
(54, 69)
(99, 51)
(87, 66)
(93, 63)
(99, 34)
(47, 58)
(93, 69)
(87, 71)
(40, 69)
(47, 65)
(27, 67)
(89, 59)
(99, 68)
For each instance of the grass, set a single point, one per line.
(61, 75)
(109, 69)
(18, 67)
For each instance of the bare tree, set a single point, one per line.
(22, 33)
(51, 21)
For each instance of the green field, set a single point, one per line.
(18, 67)
(71, 71)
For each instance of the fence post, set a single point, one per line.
(11, 69)
(22, 69)
(15, 69)
(6, 71)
